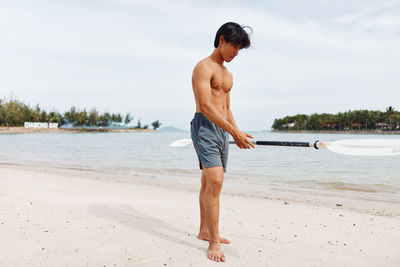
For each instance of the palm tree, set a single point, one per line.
(389, 115)
(82, 118)
(71, 115)
(156, 124)
(390, 109)
(93, 117)
(128, 118)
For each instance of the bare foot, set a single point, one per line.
(206, 237)
(215, 253)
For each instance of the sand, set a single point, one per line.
(54, 217)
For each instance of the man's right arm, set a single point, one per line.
(202, 77)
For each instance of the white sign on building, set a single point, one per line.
(40, 125)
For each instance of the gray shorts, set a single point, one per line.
(210, 142)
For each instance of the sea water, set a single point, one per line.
(264, 167)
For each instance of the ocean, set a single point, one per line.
(262, 168)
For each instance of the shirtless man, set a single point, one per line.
(212, 82)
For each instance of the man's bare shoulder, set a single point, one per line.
(205, 66)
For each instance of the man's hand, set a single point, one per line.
(242, 141)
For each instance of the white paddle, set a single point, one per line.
(355, 147)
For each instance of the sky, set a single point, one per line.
(133, 56)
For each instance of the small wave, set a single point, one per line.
(351, 187)
(345, 186)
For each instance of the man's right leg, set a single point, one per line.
(204, 233)
(214, 179)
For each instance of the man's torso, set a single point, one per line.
(221, 83)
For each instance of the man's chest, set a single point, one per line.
(222, 80)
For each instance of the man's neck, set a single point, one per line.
(216, 57)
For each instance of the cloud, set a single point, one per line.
(385, 22)
(137, 56)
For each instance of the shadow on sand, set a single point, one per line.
(127, 215)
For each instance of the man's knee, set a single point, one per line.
(214, 185)
(214, 178)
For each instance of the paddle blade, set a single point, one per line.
(181, 142)
(366, 147)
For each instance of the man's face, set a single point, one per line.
(229, 51)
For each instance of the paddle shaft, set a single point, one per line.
(354, 147)
(283, 143)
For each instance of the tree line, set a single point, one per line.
(342, 121)
(14, 113)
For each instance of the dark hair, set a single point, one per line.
(233, 33)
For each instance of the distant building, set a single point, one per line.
(330, 126)
(289, 125)
(39, 125)
(382, 125)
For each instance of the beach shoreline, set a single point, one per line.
(352, 200)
